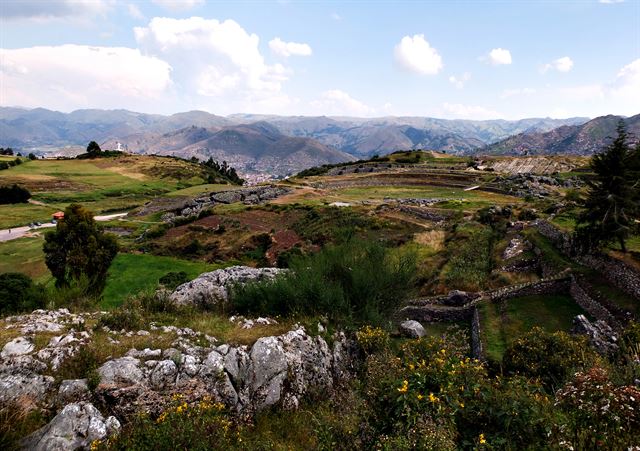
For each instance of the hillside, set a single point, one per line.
(257, 147)
(584, 139)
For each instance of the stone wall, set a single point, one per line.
(615, 271)
(476, 339)
(435, 313)
(560, 239)
(590, 305)
(544, 286)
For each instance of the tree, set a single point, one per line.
(79, 248)
(610, 208)
(14, 195)
(32, 156)
(18, 293)
(93, 148)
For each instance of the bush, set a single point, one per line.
(128, 316)
(353, 282)
(171, 280)
(18, 293)
(14, 195)
(550, 357)
(203, 425)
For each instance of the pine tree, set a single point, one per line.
(610, 208)
(79, 248)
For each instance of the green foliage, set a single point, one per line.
(202, 425)
(172, 279)
(216, 171)
(93, 148)
(14, 194)
(18, 293)
(611, 206)
(471, 261)
(78, 247)
(372, 339)
(129, 316)
(551, 358)
(356, 281)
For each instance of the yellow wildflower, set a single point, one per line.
(420, 397)
(462, 405)
(433, 398)
(482, 439)
(404, 387)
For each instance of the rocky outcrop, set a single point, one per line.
(601, 336)
(276, 370)
(212, 288)
(75, 427)
(249, 196)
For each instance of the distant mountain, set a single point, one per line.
(584, 139)
(365, 137)
(255, 142)
(257, 147)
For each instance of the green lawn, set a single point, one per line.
(132, 273)
(499, 329)
(200, 189)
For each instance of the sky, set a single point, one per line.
(470, 59)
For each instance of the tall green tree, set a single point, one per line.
(610, 208)
(93, 148)
(79, 248)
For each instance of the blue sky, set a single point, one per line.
(452, 59)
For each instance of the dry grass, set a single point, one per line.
(431, 238)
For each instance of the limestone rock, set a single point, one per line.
(29, 390)
(412, 329)
(212, 288)
(75, 427)
(17, 346)
(601, 335)
(163, 374)
(123, 371)
(73, 390)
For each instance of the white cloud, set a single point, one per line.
(178, 5)
(81, 76)
(517, 92)
(460, 81)
(286, 49)
(564, 64)
(458, 110)
(53, 9)
(416, 55)
(337, 17)
(610, 2)
(626, 88)
(215, 59)
(134, 11)
(499, 56)
(339, 103)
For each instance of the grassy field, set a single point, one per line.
(102, 185)
(129, 273)
(499, 328)
(132, 273)
(469, 199)
(24, 255)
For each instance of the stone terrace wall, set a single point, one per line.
(476, 340)
(590, 305)
(615, 271)
(544, 286)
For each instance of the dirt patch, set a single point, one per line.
(432, 238)
(282, 240)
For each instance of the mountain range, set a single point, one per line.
(281, 145)
(584, 139)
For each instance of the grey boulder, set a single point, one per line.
(412, 329)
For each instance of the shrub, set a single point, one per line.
(353, 282)
(18, 293)
(372, 339)
(171, 280)
(602, 415)
(14, 195)
(471, 260)
(550, 357)
(203, 425)
(128, 316)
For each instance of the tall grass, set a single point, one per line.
(352, 283)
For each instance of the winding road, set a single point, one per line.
(19, 232)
